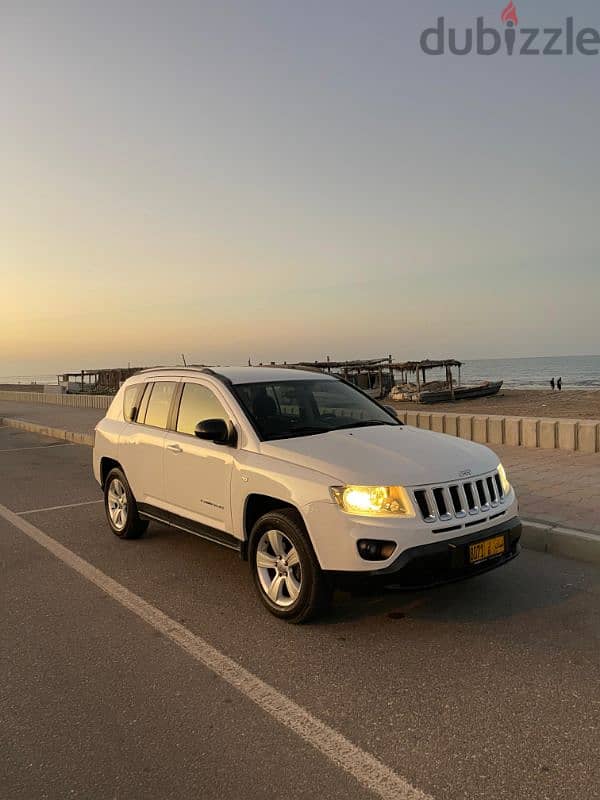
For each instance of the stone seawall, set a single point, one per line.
(66, 400)
(576, 435)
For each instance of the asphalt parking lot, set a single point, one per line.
(483, 689)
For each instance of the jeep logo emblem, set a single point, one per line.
(464, 473)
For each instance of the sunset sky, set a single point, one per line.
(287, 180)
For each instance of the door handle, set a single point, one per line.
(174, 448)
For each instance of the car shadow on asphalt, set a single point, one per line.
(533, 581)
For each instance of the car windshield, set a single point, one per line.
(285, 409)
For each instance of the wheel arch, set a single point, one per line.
(106, 464)
(258, 504)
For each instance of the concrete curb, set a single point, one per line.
(45, 430)
(551, 538)
(544, 537)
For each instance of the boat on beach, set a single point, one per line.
(485, 389)
(440, 391)
(402, 381)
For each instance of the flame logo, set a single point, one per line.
(510, 14)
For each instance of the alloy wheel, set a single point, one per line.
(117, 504)
(278, 568)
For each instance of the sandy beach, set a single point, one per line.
(573, 404)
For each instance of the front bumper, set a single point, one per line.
(441, 562)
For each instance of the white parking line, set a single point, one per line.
(364, 767)
(58, 508)
(35, 447)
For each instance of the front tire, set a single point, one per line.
(285, 570)
(121, 508)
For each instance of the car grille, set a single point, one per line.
(460, 499)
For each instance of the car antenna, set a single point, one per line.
(183, 359)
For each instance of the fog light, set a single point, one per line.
(375, 550)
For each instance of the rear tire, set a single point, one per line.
(121, 508)
(285, 570)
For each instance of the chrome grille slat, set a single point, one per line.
(450, 512)
(463, 499)
(473, 504)
(484, 500)
(492, 491)
(432, 504)
(461, 511)
(440, 506)
(424, 505)
(430, 516)
(459, 499)
(499, 487)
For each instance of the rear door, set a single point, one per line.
(197, 472)
(141, 445)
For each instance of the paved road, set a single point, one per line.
(80, 420)
(484, 689)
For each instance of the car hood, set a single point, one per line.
(385, 455)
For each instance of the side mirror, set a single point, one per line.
(215, 430)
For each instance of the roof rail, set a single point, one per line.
(193, 370)
(171, 369)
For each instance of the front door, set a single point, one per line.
(197, 472)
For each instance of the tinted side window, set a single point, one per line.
(141, 415)
(159, 404)
(131, 401)
(197, 403)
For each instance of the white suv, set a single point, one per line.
(306, 477)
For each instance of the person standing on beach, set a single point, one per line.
(559, 384)
(552, 384)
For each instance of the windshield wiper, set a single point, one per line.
(312, 430)
(305, 430)
(362, 424)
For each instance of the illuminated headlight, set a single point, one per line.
(503, 479)
(373, 501)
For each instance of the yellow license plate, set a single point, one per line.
(486, 549)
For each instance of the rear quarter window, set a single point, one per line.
(131, 401)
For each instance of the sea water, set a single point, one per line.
(577, 372)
